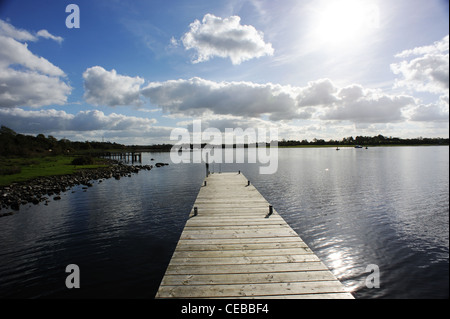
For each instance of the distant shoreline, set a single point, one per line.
(353, 146)
(143, 149)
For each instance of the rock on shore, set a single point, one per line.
(42, 188)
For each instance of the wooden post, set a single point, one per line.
(207, 165)
(270, 211)
(195, 211)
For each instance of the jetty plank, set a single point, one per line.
(244, 269)
(242, 290)
(231, 248)
(252, 278)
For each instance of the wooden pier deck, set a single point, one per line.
(232, 249)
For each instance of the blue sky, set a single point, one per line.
(135, 70)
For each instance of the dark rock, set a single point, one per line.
(15, 205)
(6, 214)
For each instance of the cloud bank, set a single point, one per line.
(45, 121)
(320, 99)
(197, 97)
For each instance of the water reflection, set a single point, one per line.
(377, 206)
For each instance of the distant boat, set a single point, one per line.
(358, 146)
(367, 148)
(337, 148)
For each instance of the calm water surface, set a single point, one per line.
(353, 207)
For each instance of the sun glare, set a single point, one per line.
(345, 21)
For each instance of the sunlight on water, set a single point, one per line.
(384, 206)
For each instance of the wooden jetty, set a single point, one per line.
(232, 247)
(124, 156)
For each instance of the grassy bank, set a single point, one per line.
(18, 169)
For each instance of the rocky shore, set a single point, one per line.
(44, 189)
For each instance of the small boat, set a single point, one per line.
(358, 146)
(337, 148)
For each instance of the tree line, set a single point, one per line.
(378, 140)
(15, 144)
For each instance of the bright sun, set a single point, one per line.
(344, 21)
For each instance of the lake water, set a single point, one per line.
(386, 206)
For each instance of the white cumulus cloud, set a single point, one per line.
(13, 52)
(108, 88)
(353, 103)
(25, 78)
(226, 38)
(434, 112)
(8, 30)
(360, 105)
(427, 71)
(320, 92)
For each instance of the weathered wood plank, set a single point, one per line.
(186, 246)
(241, 253)
(242, 241)
(233, 228)
(241, 231)
(238, 220)
(253, 278)
(245, 260)
(242, 234)
(238, 290)
(244, 269)
(340, 295)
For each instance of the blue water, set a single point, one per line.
(354, 207)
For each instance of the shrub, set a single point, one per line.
(83, 160)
